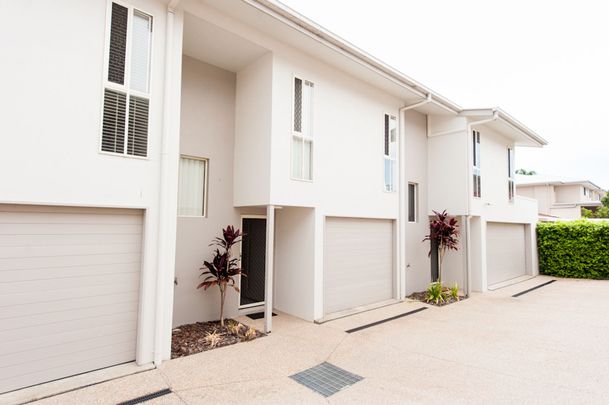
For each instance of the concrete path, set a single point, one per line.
(548, 346)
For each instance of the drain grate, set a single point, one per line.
(146, 397)
(532, 289)
(326, 379)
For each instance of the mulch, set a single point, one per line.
(202, 336)
(422, 296)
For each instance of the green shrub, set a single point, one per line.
(577, 249)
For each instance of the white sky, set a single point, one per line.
(544, 62)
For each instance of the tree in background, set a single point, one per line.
(525, 172)
(600, 212)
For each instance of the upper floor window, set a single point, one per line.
(476, 161)
(127, 82)
(302, 130)
(585, 191)
(390, 151)
(510, 165)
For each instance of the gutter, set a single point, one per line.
(402, 193)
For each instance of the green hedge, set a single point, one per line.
(578, 249)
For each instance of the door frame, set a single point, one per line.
(254, 304)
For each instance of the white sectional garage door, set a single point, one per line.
(69, 291)
(506, 252)
(358, 263)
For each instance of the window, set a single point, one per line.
(413, 191)
(192, 187)
(390, 151)
(476, 147)
(510, 164)
(585, 191)
(302, 130)
(126, 83)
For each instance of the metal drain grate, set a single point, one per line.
(326, 379)
(146, 397)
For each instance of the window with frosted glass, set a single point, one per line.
(476, 160)
(192, 187)
(302, 130)
(390, 151)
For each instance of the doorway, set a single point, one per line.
(253, 261)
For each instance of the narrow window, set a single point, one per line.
(192, 187)
(476, 177)
(302, 130)
(413, 191)
(389, 151)
(127, 83)
(510, 165)
(585, 191)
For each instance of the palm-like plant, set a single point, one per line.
(444, 231)
(223, 268)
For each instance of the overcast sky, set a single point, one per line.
(544, 62)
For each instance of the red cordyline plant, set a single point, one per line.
(444, 231)
(222, 269)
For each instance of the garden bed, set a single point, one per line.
(202, 336)
(422, 296)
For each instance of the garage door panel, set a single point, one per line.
(69, 291)
(55, 327)
(506, 252)
(51, 287)
(66, 337)
(21, 376)
(66, 272)
(19, 322)
(62, 261)
(70, 239)
(68, 250)
(64, 305)
(48, 353)
(358, 268)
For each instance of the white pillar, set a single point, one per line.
(268, 275)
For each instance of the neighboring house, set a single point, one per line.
(135, 130)
(560, 197)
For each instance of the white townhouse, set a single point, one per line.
(560, 197)
(134, 130)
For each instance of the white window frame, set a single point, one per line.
(511, 172)
(388, 158)
(416, 202)
(205, 186)
(299, 135)
(476, 166)
(125, 88)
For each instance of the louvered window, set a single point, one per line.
(476, 169)
(127, 85)
(390, 151)
(302, 130)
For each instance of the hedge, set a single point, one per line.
(578, 249)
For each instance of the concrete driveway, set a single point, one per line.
(547, 346)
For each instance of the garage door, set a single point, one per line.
(506, 252)
(68, 293)
(358, 262)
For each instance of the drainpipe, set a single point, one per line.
(166, 217)
(468, 262)
(402, 194)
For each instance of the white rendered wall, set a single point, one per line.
(418, 266)
(447, 165)
(207, 131)
(52, 106)
(569, 194)
(252, 166)
(294, 261)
